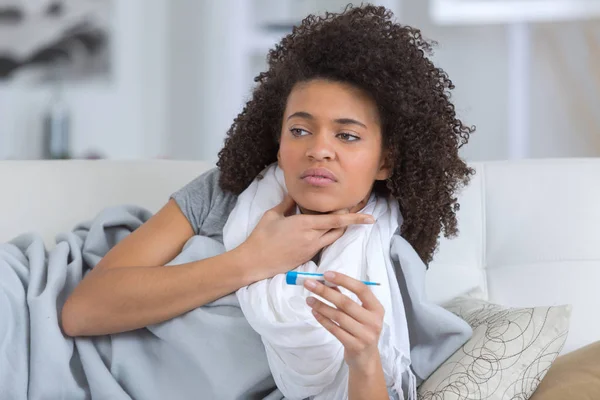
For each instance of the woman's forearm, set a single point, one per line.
(111, 300)
(367, 382)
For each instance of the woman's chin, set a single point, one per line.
(311, 203)
(316, 208)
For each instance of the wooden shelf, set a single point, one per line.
(486, 12)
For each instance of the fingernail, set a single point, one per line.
(311, 283)
(370, 220)
(329, 275)
(310, 301)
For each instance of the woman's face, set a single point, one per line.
(330, 148)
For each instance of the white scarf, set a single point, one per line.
(304, 358)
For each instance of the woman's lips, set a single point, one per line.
(319, 181)
(318, 177)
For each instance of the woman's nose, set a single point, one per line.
(320, 148)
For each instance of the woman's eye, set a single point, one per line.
(298, 132)
(348, 137)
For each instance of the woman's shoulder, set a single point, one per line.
(202, 200)
(207, 179)
(206, 186)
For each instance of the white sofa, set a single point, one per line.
(530, 230)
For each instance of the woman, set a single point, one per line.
(350, 110)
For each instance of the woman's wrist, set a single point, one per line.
(366, 380)
(224, 274)
(240, 263)
(369, 365)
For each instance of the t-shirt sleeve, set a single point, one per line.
(195, 199)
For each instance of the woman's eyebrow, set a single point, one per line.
(301, 114)
(349, 121)
(343, 121)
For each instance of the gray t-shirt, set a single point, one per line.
(206, 205)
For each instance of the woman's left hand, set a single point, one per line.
(356, 327)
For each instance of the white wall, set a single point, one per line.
(207, 81)
(475, 60)
(214, 59)
(201, 98)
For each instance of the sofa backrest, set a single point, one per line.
(529, 230)
(49, 197)
(530, 235)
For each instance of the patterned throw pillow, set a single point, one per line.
(506, 358)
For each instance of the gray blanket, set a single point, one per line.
(208, 353)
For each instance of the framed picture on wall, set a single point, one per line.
(39, 38)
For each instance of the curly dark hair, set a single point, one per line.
(362, 46)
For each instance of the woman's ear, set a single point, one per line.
(385, 169)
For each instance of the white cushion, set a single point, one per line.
(530, 235)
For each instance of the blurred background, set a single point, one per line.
(135, 79)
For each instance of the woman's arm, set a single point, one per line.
(357, 328)
(130, 288)
(122, 299)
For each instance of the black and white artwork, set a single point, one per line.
(42, 38)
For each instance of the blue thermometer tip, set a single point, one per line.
(298, 278)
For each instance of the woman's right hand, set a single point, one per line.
(280, 242)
